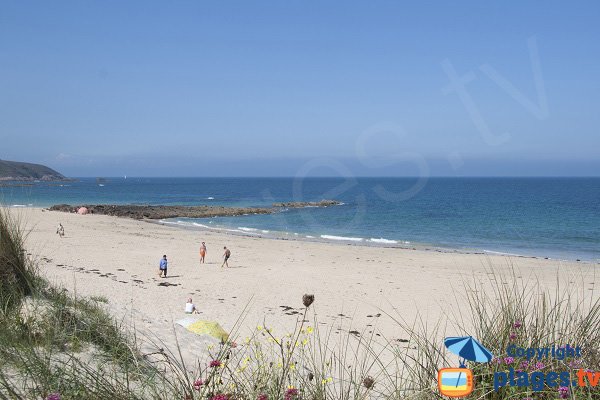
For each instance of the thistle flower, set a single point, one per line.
(262, 397)
(53, 396)
(291, 393)
(513, 336)
(509, 360)
(518, 324)
(368, 382)
(215, 364)
(308, 299)
(198, 383)
(220, 396)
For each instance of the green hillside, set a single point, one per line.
(20, 171)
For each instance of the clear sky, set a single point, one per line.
(197, 88)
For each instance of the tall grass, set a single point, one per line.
(55, 345)
(18, 275)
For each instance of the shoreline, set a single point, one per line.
(292, 236)
(364, 242)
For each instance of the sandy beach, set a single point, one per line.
(355, 286)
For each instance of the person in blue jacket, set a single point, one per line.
(163, 267)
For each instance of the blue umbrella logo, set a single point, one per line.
(468, 348)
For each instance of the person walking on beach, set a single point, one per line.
(60, 231)
(226, 256)
(202, 252)
(163, 267)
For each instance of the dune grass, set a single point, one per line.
(55, 345)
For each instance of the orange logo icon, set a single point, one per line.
(455, 382)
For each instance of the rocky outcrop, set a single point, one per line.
(302, 204)
(162, 212)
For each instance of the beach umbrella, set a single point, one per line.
(202, 327)
(468, 348)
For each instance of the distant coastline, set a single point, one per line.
(22, 171)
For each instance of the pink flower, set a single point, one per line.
(291, 394)
(198, 383)
(220, 396)
(509, 360)
(518, 324)
(215, 364)
(513, 336)
(524, 364)
(53, 396)
(539, 365)
(262, 397)
(563, 392)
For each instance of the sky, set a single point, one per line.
(285, 88)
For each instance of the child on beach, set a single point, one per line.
(202, 252)
(226, 256)
(190, 308)
(163, 267)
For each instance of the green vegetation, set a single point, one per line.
(13, 170)
(54, 345)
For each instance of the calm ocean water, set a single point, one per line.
(549, 217)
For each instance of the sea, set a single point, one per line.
(557, 218)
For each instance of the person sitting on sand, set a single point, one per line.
(163, 267)
(226, 256)
(202, 252)
(60, 231)
(190, 308)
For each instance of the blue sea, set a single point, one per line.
(545, 217)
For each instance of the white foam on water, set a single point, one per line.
(265, 231)
(19, 205)
(344, 238)
(200, 225)
(382, 240)
(210, 198)
(243, 228)
(310, 237)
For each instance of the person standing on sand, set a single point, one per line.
(60, 231)
(202, 252)
(163, 267)
(226, 256)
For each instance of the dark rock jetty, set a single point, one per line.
(162, 212)
(302, 204)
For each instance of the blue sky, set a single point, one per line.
(192, 88)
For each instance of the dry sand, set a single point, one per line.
(355, 285)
